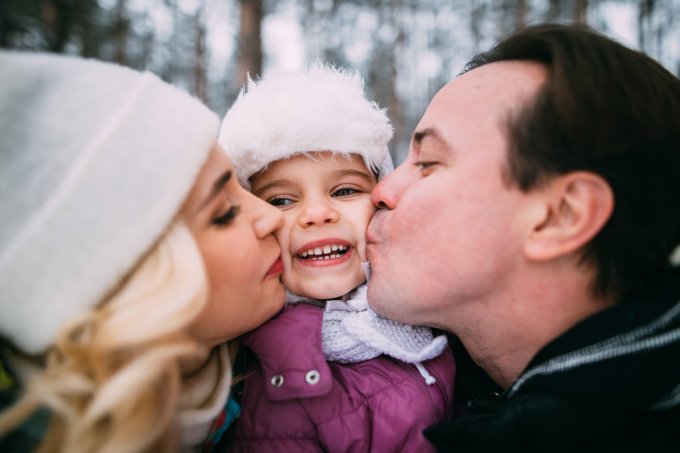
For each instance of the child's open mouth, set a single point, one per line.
(327, 252)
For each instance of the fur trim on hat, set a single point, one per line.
(321, 109)
(96, 161)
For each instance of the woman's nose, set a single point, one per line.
(267, 220)
(318, 213)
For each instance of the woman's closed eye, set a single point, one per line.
(226, 218)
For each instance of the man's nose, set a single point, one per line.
(387, 193)
(318, 213)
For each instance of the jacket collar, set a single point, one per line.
(289, 351)
(608, 384)
(625, 355)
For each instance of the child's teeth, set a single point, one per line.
(325, 252)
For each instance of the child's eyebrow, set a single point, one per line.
(362, 174)
(285, 183)
(271, 184)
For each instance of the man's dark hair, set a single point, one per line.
(612, 111)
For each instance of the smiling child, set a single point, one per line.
(327, 373)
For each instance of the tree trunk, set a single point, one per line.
(7, 25)
(553, 11)
(580, 11)
(521, 11)
(120, 31)
(395, 107)
(200, 73)
(250, 40)
(58, 17)
(644, 14)
(477, 14)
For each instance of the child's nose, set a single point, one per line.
(318, 213)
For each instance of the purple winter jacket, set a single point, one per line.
(295, 401)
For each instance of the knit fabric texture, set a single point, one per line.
(351, 332)
(95, 161)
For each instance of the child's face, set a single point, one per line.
(326, 204)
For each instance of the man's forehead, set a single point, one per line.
(470, 111)
(498, 81)
(517, 70)
(491, 89)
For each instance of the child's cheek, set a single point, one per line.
(285, 249)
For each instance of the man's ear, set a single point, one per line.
(573, 208)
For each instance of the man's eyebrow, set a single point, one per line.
(217, 187)
(419, 136)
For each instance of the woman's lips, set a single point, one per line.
(276, 269)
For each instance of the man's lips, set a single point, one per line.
(276, 269)
(370, 237)
(373, 229)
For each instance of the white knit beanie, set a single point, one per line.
(95, 162)
(320, 109)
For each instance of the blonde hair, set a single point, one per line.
(112, 379)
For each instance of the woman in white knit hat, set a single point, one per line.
(327, 374)
(129, 255)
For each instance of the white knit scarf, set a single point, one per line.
(351, 332)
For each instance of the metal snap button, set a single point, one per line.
(277, 380)
(312, 377)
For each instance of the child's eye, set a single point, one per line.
(227, 217)
(344, 191)
(280, 201)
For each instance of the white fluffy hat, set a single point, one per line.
(95, 162)
(320, 109)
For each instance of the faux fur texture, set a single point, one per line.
(320, 109)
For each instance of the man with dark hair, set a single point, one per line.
(537, 219)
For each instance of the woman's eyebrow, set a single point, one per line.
(217, 187)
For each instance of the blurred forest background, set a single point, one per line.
(406, 50)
